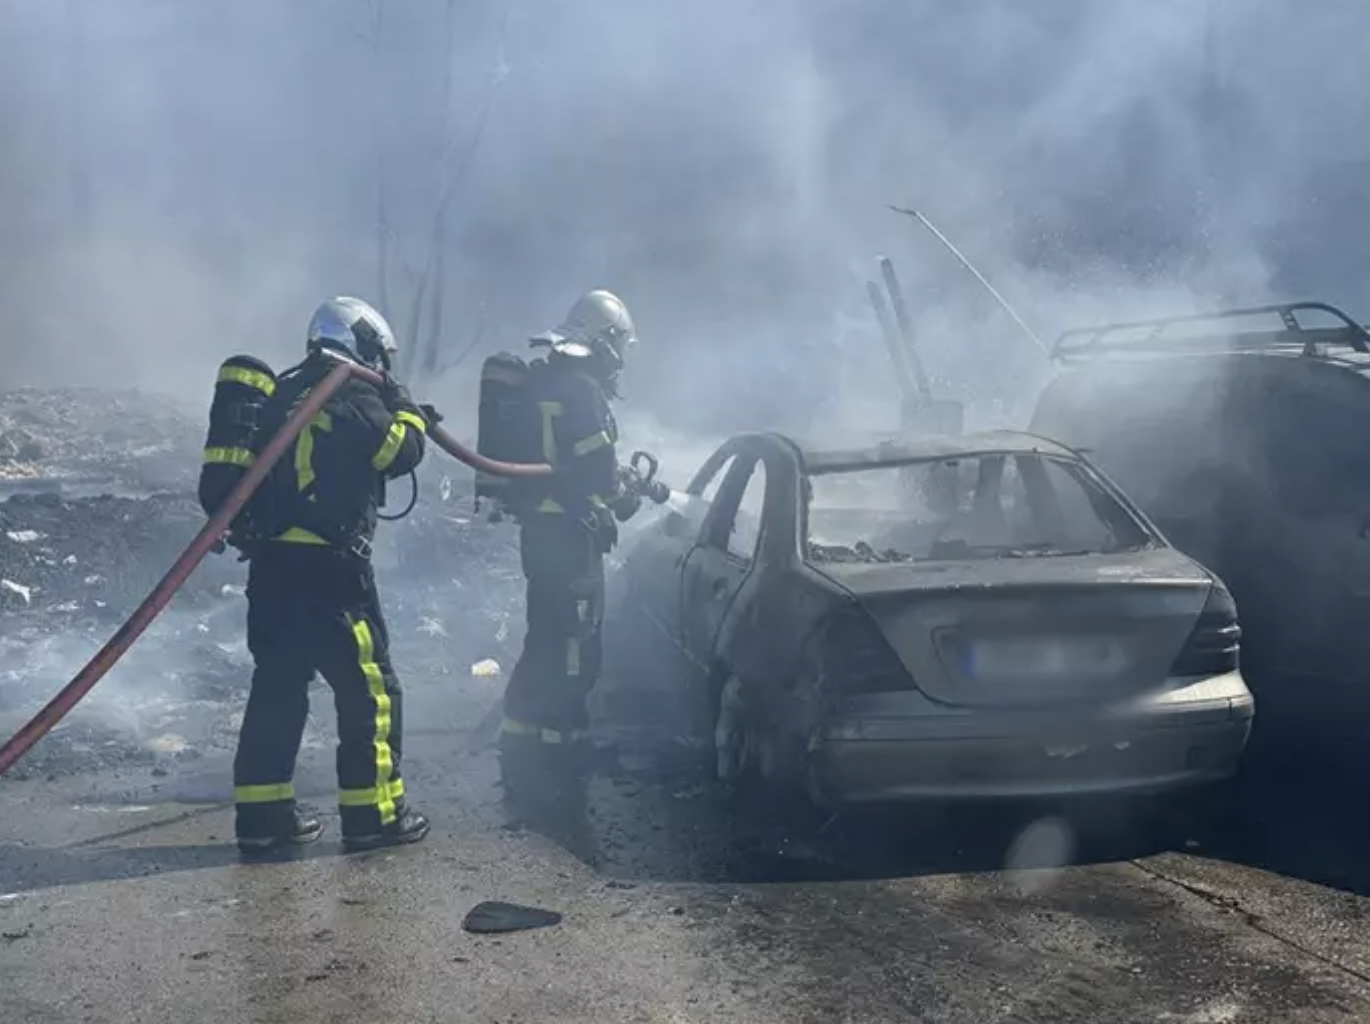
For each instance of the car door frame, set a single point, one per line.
(705, 606)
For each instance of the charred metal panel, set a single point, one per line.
(1256, 463)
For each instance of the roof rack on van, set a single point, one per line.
(1084, 343)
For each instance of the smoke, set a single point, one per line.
(193, 178)
(166, 697)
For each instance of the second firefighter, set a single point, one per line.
(566, 529)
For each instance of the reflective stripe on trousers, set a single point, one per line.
(386, 791)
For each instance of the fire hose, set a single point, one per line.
(208, 538)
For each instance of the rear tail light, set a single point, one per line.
(858, 659)
(1214, 646)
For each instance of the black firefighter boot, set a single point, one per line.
(408, 827)
(293, 829)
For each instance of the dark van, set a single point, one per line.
(1245, 436)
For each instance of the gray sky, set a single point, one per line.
(185, 180)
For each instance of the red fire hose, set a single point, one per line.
(105, 659)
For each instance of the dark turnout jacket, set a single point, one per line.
(579, 436)
(327, 490)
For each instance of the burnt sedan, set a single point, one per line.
(957, 617)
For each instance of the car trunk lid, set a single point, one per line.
(1033, 631)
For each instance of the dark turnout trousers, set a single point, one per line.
(312, 610)
(560, 661)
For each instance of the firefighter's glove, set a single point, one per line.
(243, 544)
(626, 507)
(395, 395)
(431, 414)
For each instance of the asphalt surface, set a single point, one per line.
(122, 899)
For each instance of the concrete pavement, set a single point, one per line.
(122, 900)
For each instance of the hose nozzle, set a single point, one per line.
(639, 478)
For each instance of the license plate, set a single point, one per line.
(1038, 656)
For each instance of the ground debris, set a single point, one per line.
(104, 549)
(17, 589)
(123, 438)
(494, 917)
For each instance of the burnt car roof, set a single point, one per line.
(818, 461)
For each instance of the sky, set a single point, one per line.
(182, 181)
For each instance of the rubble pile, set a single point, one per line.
(122, 439)
(96, 557)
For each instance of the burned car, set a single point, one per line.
(1242, 434)
(972, 616)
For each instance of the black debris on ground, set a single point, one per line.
(496, 918)
(98, 557)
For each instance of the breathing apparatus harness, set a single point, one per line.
(243, 390)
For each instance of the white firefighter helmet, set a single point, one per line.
(599, 324)
(354, 329)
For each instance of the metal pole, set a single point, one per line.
(901, 317)
(1003, 302)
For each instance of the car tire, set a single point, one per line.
(759, 768)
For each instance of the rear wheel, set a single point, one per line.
(762, 761)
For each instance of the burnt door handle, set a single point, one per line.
(719, 588)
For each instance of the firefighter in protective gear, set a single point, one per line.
(312, 600)
(565, 532)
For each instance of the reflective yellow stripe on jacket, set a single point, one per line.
(304, 450)
(305, 476)
(593, 443)
(550, 411)
(298, 535)
(395, 437)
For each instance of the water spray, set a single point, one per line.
(1003, 302)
